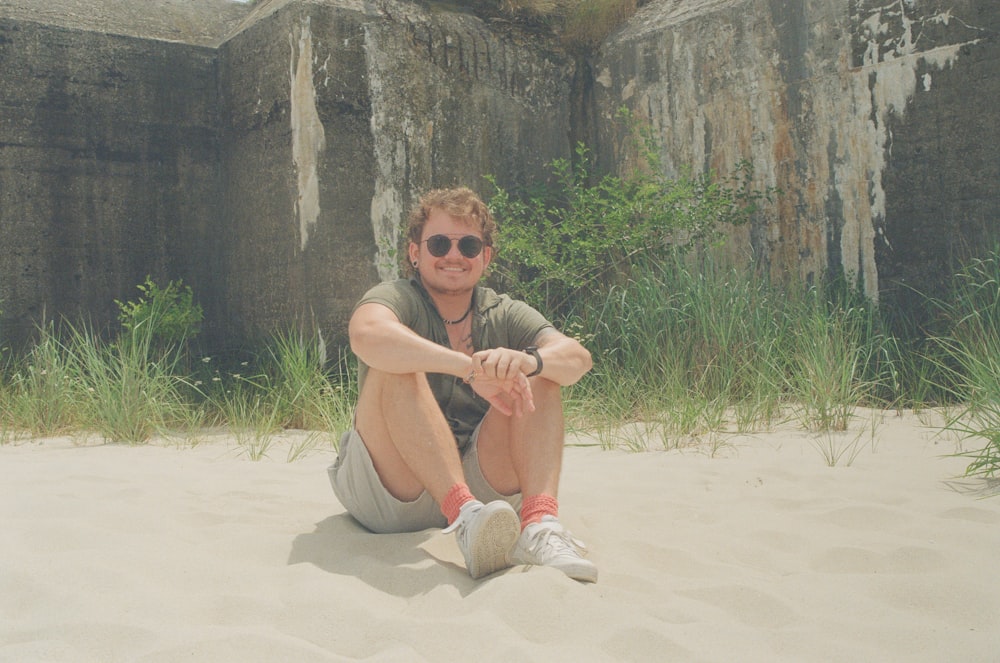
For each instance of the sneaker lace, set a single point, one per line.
(557, 540)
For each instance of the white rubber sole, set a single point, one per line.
(497, 527)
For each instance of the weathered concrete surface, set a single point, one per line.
(336, 117)
(271, 172)
(942, 168)
(199, 22)
(878, 119)
(108, 170)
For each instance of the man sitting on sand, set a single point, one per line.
(459, 420)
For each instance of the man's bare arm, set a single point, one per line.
(380, 340)
(564, 359)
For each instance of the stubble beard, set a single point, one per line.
(447, 292)
(436, 288)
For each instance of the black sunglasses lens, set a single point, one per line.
(438, 245)
(470, 246)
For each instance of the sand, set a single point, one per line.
(748, 549)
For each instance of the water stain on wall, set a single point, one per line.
(805, 92)
(308, 137)
(883, 86)
(390, 160)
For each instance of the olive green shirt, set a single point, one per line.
(497, 322)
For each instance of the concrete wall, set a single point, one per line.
(267, 154)
(942, 161)
(335, 118)
(271, 173)
(878, 120)
(108, 170)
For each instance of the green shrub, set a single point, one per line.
(170, 312)
(572, 242)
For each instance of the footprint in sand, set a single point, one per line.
(972, 514)
(866, 518)
(644, 644)
(746, 604)
(907, 559)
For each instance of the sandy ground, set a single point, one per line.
(757, 552)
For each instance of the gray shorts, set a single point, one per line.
(359, 489)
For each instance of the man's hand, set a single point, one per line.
(499, 377)
(503, 363)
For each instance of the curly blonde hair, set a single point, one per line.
(461, 203)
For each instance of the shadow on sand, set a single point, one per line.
(399, 564)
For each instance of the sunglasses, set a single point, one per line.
(469, 246)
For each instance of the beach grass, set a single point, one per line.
(135, 387)
(694, 350)
(970, 358)
(37, 397)
(687, 335)
(687, 352)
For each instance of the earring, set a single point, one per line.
(414, 263)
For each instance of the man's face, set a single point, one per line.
(452, 273)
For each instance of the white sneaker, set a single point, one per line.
(549, 544)
(485, 535)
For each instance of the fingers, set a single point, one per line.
(499, 377)
(502, 363)
(512, 397)
(523, 390)
(500, 404)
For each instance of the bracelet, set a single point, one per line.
(468, 379)
(533, 351)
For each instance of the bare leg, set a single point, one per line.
(407, 437)
(525, 453)
(413, 450)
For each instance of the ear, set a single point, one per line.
(487, 256)
(413, 251)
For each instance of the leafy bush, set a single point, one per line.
(563, 244)
(170, 312)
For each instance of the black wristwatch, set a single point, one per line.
(533, 351)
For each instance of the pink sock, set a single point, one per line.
(457, 495)
(534, 507)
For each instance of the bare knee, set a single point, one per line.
(395, 413)
(547, 394)
(384, 392)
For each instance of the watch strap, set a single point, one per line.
(533, 351)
